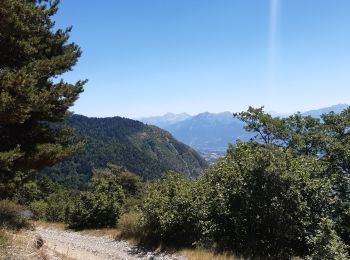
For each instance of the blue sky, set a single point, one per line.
(149, 57)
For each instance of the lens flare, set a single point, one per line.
(272, 45)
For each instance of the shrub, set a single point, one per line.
(172, 211)
(92, 210)
(326, 244)
(12, 215)
(130, 226)
(99, 207)
(131, 183)
(264, 201)
(27, 193)
(39, 209)
(57, 206)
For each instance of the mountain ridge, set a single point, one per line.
(146, 150)
(214, 131)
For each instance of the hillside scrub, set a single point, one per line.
(100, 206)
(258, 201)
(12, 216)
(111, 192)
(172, 210)
(326, 138)
(264, 202)
(283, 194)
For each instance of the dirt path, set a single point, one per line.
(72, 245)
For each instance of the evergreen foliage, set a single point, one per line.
(33, 55)
(147, 151)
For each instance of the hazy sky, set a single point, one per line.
(149, 57)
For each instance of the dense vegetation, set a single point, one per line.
(33, 54)
(111, 191)
(145, 150)
(283, 194)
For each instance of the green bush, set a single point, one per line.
(92, 210)
(12, 215)
(326, 244)
(27, 193)
(39, 209)
(100, 206)
(54, 208)
(264, 201)
(260, 201)
(57, 206)
(132, 184)
(172, 211)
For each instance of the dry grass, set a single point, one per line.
(202, 254)
(44, 224)
(113, 232)
(20, 245)
(4, 237)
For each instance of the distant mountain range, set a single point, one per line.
(319, 112)
(165, 120)
(210, 132)
(206, 131)
(143, 149)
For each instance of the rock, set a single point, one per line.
(38, 242)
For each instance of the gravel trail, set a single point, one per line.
(73, 245)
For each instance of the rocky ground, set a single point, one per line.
(63, 244)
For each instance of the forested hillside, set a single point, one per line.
(145, 150)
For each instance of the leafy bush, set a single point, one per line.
(57, 206)
(259, 201)
(265, 202)
(39, 209)
(132, 185)
(327, 138)
(94, 211)
(326, 244)
(99, 207)
(12, 215)
(172, 211)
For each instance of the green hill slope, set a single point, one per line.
(145, 150)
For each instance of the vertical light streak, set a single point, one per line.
(272, 44)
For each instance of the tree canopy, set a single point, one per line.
(33, 57)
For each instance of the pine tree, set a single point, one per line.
(33, 56)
